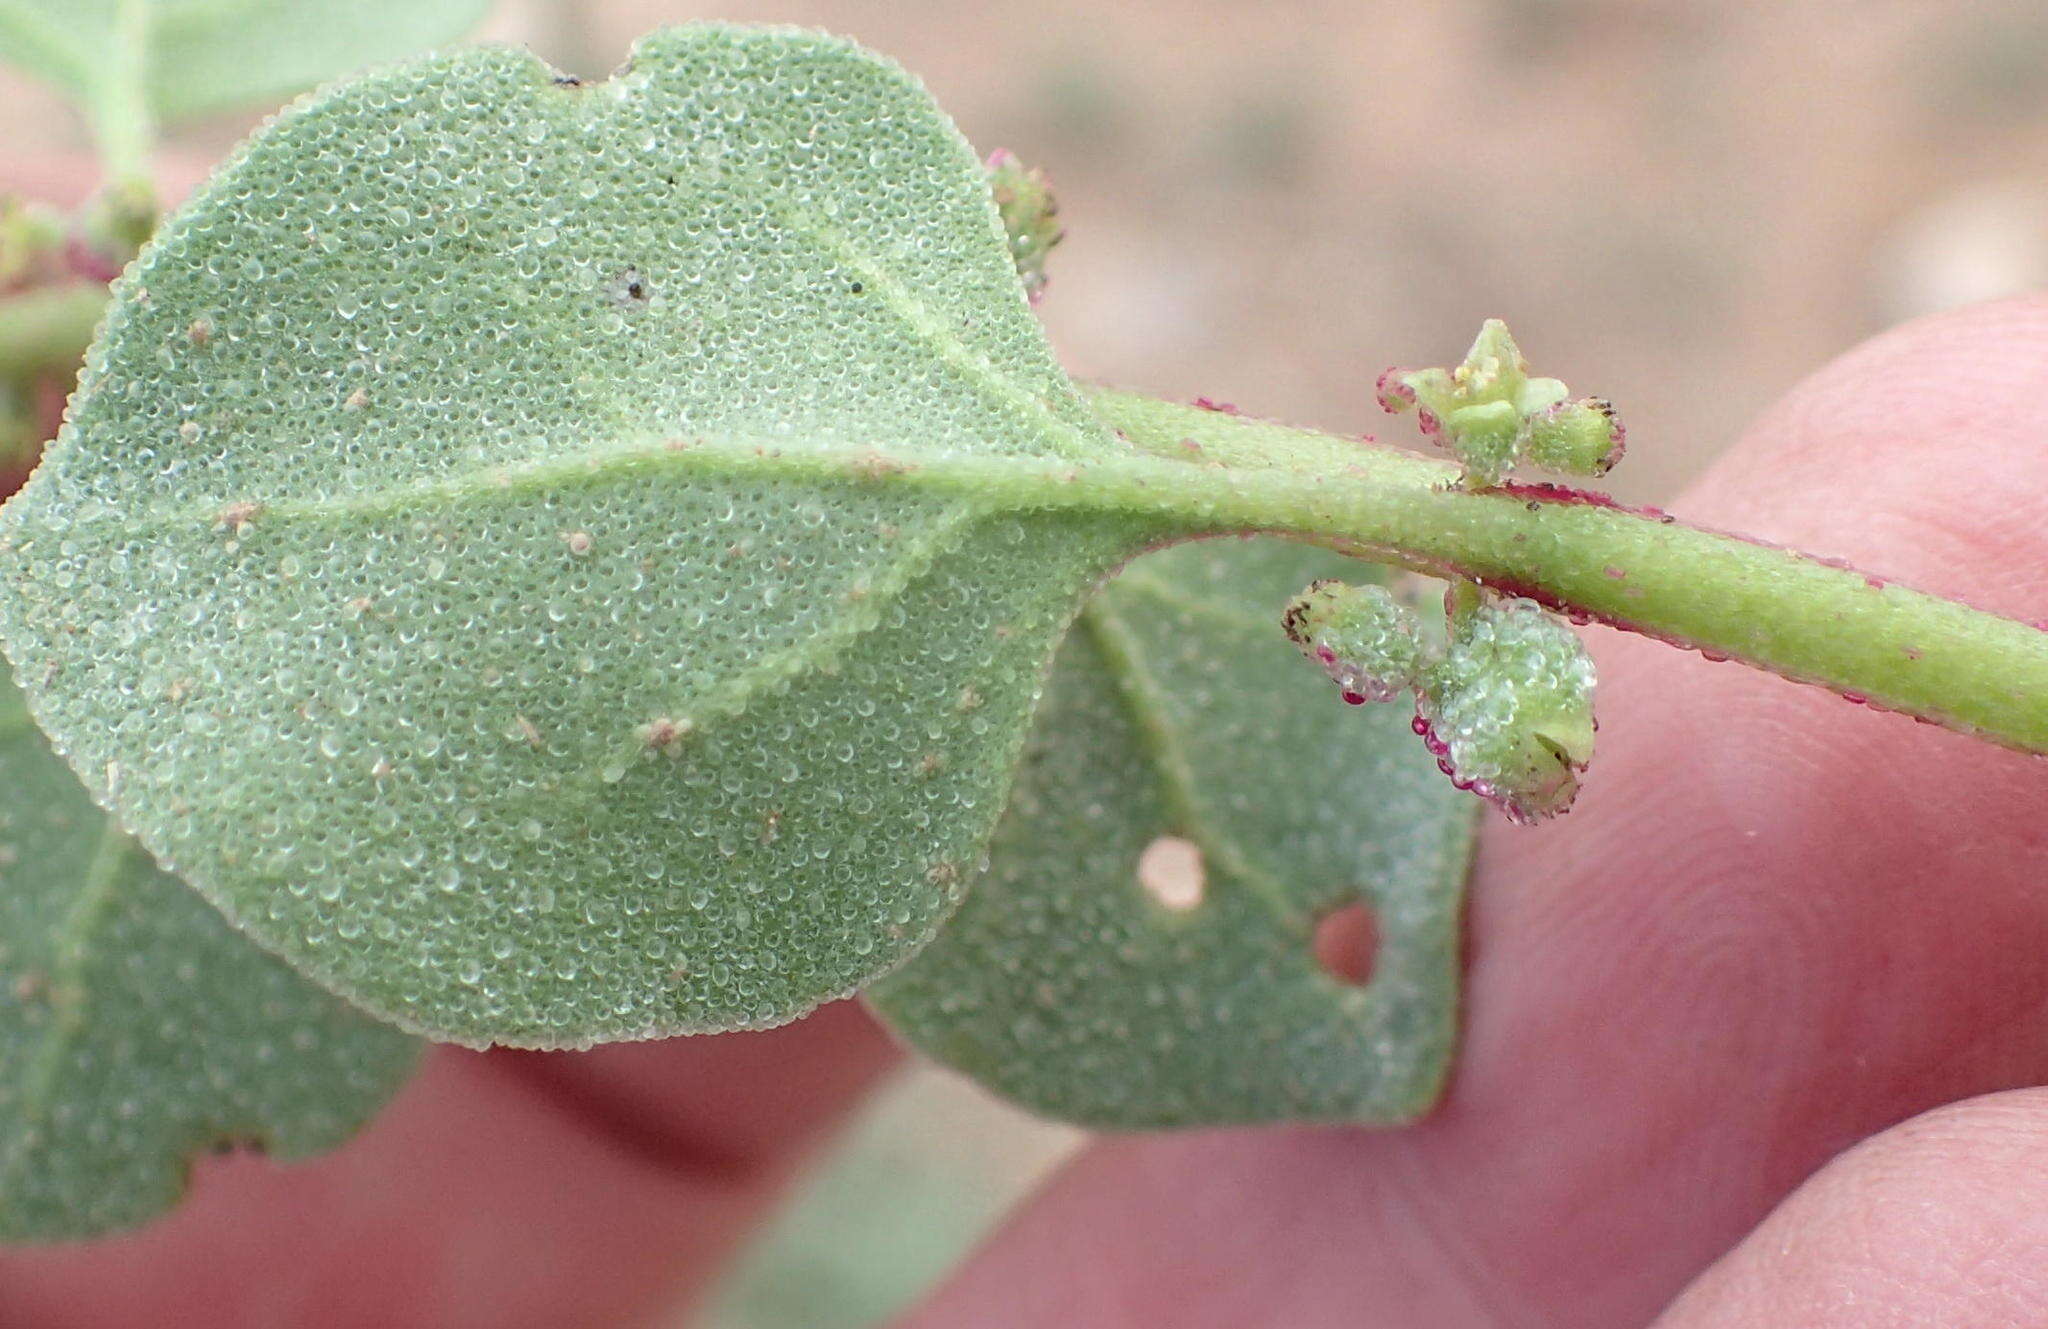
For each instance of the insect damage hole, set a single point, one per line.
(1170, 871)
(1345, 943)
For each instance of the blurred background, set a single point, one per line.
(1679, 204)
(1682, 205)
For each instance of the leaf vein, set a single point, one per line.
(1163, 744)
(67, 993)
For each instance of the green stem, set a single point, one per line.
(1191, 473)
(109, 80)
(46, 329)
(121, 119)
(1777, 609)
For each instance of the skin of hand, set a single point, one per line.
(1776, 926)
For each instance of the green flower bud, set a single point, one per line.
(1508, 711)
(1490, 413)
(1580, 437)
(1365, 639)
(115, 223)
(31, 241)
(1030, 216)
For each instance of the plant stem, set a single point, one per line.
(1206, 472)
(1786, 612)
(121, 119)
(1192, 473)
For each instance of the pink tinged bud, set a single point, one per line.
(1364, 639)
(1030, 216)
(1490, 413)
(1580, 437)
(1394, 395)
(1509, 709)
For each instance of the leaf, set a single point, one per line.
(925, 1170)
(137, 1029)
(524, 606)
(193, 57)
(1176, 709)
(217, 55)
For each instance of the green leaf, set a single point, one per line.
(217, 55)
(128, 61)
(1178, 710)
(525, 604)
(137, 1029)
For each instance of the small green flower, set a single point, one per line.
(31, 241)
(114, 224)
(1491, 414)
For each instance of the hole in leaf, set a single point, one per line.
(1171, 872)
(1345, 943)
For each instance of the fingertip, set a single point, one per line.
(1918, 455)
(730, 1106)
(1942, 1220)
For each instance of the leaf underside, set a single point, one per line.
(1175, 709)
(137, 1028)
(416, 574)
(215, 55)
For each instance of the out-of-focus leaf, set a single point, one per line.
(191, 57)
(921, 1174)
(1176, 709)
(216, 55)
(137, 1028)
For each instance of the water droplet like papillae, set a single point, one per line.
(137, 1028)
(1508, 710)
(1363, 638)
(511, 505)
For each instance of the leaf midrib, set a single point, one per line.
(70, 956)
(1034, 412)
(1034, 482)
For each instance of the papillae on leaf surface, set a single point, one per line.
(491, 556)
(137, 1029)
(1171, 716)
(506, 610)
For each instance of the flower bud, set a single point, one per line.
(1491, 414)
(31, 241)
(1030, 216)
(1508, 711)
(1581, 437)
(1365, 639)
